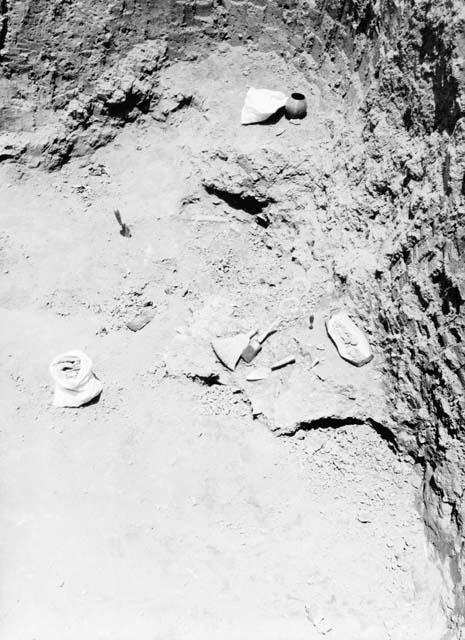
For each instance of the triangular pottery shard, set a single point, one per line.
(229, 350)
(351, 342)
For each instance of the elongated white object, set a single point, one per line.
(75, 382)
(260, 104)
(260, 373)
(351, 342)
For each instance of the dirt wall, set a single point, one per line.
(422, 293)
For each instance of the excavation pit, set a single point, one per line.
(171, 508)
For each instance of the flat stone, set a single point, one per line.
(139, 322)
(350, 340)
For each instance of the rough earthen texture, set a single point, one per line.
(54, 53)
(74, 71)
(422, 290)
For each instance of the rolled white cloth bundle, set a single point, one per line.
(75, 382)
(260, 104)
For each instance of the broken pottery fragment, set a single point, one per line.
(349, 339)
(229, 350)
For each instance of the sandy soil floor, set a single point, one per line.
(165, 511)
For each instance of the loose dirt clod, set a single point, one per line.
(140, 322)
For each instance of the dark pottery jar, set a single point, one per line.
(296, 106)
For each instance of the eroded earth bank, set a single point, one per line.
(189, 503)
